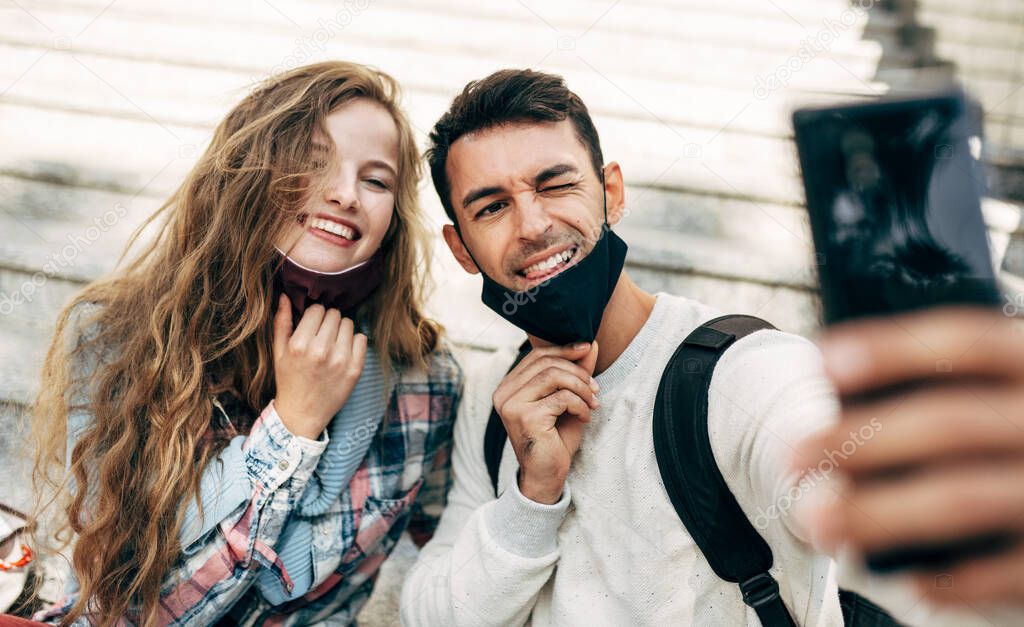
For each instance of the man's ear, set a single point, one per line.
(451, 237)
(615, 192)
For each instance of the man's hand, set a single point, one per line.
(945, 459)
(544, 403)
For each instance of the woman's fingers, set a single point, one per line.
(282, 324)
(358, 357)
(308, 326)
(323, 344)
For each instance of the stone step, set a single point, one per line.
(985, 31)
(564, 24)
(712, 22)
(226, 45)
(1007, 11)
(145, 152)
(201, 95)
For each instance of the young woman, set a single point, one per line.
(243, 420)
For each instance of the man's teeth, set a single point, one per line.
(551, 262)
(333, 227)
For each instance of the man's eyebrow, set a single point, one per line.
(554, 172)
(477, 194)
(542, 177)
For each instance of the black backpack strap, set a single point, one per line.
(699, 493)
(495, 435)
(702, 499)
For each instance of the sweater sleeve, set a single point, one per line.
(768, 393)
(489, 558)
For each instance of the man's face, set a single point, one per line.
(527, 200)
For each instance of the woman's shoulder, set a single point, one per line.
(443, 374)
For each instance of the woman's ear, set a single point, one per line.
(451, 237)
(615, 192)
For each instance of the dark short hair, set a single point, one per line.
(507, 97)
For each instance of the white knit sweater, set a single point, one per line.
(613, 551)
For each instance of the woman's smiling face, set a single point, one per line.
(348, 212)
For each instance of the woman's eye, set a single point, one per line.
(379, 184)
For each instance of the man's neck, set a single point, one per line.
(626, 313)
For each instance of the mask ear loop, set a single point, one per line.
(604, 200)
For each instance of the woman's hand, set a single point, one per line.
(316, 366)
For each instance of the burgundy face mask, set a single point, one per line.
(343, 290)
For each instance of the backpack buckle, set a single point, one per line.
(759, 590)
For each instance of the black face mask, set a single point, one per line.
(568, 307)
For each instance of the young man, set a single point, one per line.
(583, 529)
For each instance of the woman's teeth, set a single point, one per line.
(333, 227)
(551, 262)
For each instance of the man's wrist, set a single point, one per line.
(547, 492)
(525, 527)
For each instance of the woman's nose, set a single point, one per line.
(340, 191)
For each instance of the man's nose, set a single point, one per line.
(534, 220)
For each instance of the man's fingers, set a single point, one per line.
(996, 578)
(927, 425)
(570, 429)
(554, 379)
(564, 401)
(589, 361)
(932, 506)
(531, 370)
(282, 324)
(569, 352)
(939, 343)
(522, 375)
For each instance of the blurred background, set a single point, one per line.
(104, 105)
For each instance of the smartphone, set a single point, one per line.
(894, 192)
(893, 189)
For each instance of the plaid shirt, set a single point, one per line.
(402, 483)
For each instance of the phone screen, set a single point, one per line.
(893, 190)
